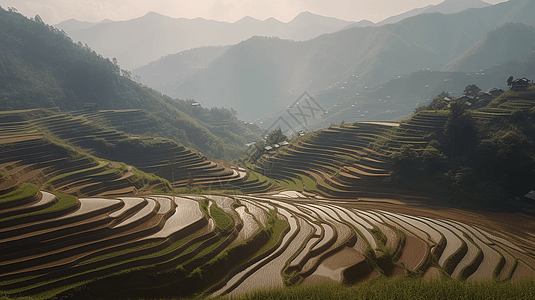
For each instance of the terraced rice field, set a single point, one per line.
(28, 155)
(120, 247)
(351, 161)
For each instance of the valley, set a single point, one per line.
(318, 210)
(391, 174)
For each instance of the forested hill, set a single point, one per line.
(510, 41)
(41, 67)
(275, 71)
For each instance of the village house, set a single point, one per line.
(519, 84)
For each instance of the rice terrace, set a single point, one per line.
(79, 226)
(110, 189)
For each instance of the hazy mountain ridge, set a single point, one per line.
(166, 73)
(446, 7)
(139, 41)
(165, 78)
(455, 6)
(374, 54)
(395, 99)
(511, 41)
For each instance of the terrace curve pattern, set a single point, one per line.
(171, 246)
(353, 161)
(350, 161)
(49, 148)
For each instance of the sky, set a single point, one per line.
(55, 11)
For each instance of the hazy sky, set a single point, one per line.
(55, 11)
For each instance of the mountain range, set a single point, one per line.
(446, 7)
(263, 73)
(503, 52)
(510, 41)
(139, 41)
(41, 67)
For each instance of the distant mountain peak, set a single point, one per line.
(153, 14)
(247, 19)
(306, 13)
(306, 16)
(272, 20)
(455, 6)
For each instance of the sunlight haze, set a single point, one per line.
(55, 11)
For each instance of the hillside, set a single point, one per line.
(40, 67)
(168, 72)
(455, 6)
(510, 42)
(485, 161)
(86, 155)
(139, 41)
(445, 7)
(280, 68)
(437, 196)
(396, 99)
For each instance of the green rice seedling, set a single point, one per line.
(26, 190)
(64, 201)
(223, 221)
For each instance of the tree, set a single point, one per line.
(276, 136)
(126, 73)
(438, 102)
(459, 128)
(38, 19)
(472, 90)
(233, 112)
(510, 80)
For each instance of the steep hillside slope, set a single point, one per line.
(509, 42)
(483, 158)
(455, 6)
(168, 72)
(446, 7)
(374, 54)
(395, 99)
(75, 153)
(40, 67)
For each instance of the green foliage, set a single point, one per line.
(472, 90)
(26, 190)
(276, 229)
(40, 66)
(64, 201)
(144, 180)
(223, 221)
(508, 157)
(491, 162)
(24, 85)
(230, 258)
(459, 130)
(409, 164)
(401, 287)
(437, 103)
